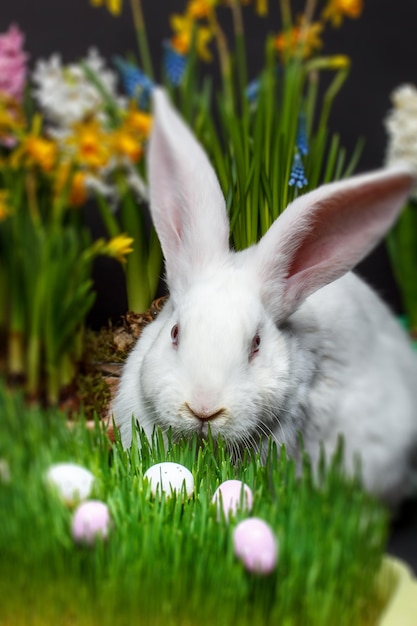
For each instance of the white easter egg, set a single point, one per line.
(256, 545)
(90, 521)
(232, 495)
(73, 482)
(169, 478)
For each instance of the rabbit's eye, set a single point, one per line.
(175, 331)
(254, 349)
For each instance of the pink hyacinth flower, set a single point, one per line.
(13, 63)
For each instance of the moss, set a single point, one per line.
(93, 394)
(99, 347)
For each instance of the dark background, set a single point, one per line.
(381, 45)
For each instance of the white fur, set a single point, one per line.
(332, 359)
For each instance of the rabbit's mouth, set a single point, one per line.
(202, 420)
(203, 429)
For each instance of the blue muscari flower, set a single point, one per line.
(136, 84)
(174, 63)
(297, 175)
(301, 139)
(252, 90)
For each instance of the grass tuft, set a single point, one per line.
(168, 561)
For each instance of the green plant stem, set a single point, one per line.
(142, 38)
(402, 249)
(287, 22)
(154, 265)
(59, 377)
(189, 85)
(309, 10)
(32, 199)
(107, 216)
(33, 366)
(224, 59)
(240, 52)
(331, 93)
(4, 305)
(34, 335)
(53, 386)
(308, 14)
(286, 15)
(136, 270)
(16, 328)
(15, 358)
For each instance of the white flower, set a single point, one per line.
(106, 187)
(107, 191)
(401, 126)
(99, 186)
(136, 183)
(66, 95)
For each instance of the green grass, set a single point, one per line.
(169, 562)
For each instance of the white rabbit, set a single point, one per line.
(280, 338)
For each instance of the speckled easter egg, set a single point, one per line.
(90, 521)
(73, 482)
(169, 478)
(256, 545)
(232, 495)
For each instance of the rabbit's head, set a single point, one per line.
(217, 355)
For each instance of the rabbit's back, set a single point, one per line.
(364, 383)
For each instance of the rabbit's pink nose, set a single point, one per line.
(204, 414)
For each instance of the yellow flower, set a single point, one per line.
(261, 6)
(5, 209)
(90, 145)
(35, 151)
(42, 152)
(335, 62)
(6, 121)
(71, 183)
(78, 191)
(114, 6)
(200, 9)
(336, 10)
(119, 247)
(12, 121)
(125, 144)
(127, 140)
(183, 27)
(138, 122)
(302, 40)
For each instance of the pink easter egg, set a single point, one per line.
(232, 494)
(255, 545)
(91, 519)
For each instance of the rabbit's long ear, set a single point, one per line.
(325, 233)
(187, 204)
